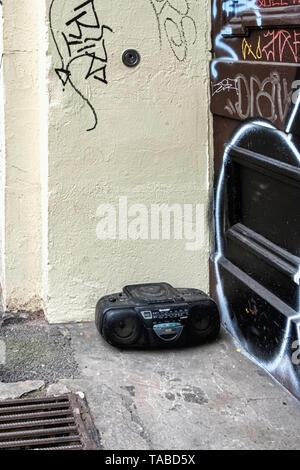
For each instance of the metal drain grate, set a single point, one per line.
(62, 422)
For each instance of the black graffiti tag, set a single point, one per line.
(84, 38)
(174, 21)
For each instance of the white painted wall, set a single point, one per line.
(22, 207)
(2, 172)
(150, 145)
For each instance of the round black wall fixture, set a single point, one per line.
(131, 58)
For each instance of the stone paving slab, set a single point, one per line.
(206, 397)
(10, 391)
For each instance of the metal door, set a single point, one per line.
(255, 101)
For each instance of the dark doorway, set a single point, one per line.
(255, 100)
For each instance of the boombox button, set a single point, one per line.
(147, 315)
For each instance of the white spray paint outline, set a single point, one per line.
(229, 7)
(280, 362)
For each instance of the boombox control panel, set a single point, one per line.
(156, 315)
(165, 314)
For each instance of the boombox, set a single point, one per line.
(157, 315)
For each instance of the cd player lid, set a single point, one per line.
(152, 293)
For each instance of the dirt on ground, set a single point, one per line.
(36, 350)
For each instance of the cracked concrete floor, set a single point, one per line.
(206, 397)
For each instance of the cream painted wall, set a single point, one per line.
(151, 145)
(22, 236)
(2, 172)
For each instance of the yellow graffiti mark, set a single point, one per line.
(247, 49)
(258, 50)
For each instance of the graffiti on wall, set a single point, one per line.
(81, 39)
(269, 98)
(278, 364)
(266, 97)
(276, 3)
(273, 45)
(175, 25)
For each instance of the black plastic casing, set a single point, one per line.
(189, 306)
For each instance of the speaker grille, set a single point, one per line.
(204, 321)
(122, 327)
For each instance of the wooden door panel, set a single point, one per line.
(255, 101)
(242, 90)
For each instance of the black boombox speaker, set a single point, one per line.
(156, 315)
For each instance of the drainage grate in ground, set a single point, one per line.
(62, 422)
